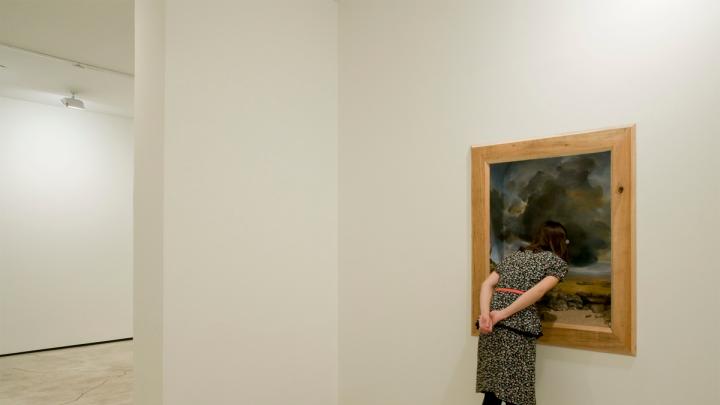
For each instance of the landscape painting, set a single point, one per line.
(575, 191)
(585, 181)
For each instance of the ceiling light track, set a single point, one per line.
(75, 63)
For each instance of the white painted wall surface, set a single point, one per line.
(249, 260)
(422, 81)
(148, 201)
(65, 226)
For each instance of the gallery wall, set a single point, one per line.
(148, 201)
(65, 226)
(420, 82)
(241, 259)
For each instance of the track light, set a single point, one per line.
(73, 102)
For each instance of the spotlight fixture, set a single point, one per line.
(73, 102)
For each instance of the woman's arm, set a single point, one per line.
(526, 299)
(486, 293)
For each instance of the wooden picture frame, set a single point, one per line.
(620, 336)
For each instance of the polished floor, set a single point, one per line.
(88, 375)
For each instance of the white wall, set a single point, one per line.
(65, 226)
(148, 201)
(422, 81)
(249, 232)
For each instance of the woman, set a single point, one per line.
(509, 322)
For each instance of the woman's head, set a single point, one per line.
(552, 237)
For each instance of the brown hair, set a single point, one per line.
(552, 236)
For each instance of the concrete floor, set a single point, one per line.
(98, 374)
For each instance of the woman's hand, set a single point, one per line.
(486, 324)
(497, 316)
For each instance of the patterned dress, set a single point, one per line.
(506, 356)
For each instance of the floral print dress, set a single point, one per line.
(506, 356)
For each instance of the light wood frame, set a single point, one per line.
(621, 336)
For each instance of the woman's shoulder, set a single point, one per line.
(516, 254)
(551, 258)
(542, 255)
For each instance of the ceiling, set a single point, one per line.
(96, 33)
(31, 77)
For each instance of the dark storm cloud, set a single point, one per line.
(496, 216)
(559, 189)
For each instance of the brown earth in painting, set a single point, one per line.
(574, 285)
(578, 301)
(585, 317)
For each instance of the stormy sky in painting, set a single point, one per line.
(574, 190)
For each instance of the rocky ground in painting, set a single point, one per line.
(585, 302)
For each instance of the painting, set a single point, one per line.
(575, 191)
(584, 181)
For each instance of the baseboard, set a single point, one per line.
(66, 347)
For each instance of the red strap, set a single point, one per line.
(510, 290)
